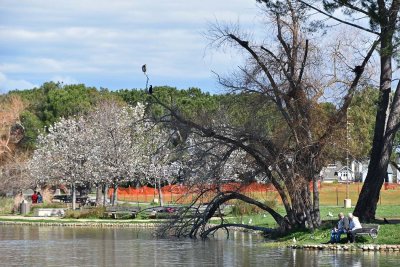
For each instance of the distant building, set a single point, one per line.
(356, 172)
(337, 172)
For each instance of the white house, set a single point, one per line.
(345, 174)
(357, 172)
(337, 172)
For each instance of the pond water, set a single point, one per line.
(68, 246)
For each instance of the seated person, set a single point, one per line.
(342, 227)
(354, 224)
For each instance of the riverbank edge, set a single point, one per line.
(84, 224)
(75, 223)
(97, 224)
(349, 247)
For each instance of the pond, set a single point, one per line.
(80, 246)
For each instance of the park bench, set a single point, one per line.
(368, 229)
(116, 212)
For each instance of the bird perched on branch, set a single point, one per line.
(144, 69)
(358, 70)
(151, 89)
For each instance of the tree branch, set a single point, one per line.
(245, 226)
(337, 19)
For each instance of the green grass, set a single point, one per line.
(388, 234)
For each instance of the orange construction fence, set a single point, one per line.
(181, 193)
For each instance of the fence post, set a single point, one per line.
(337, 196)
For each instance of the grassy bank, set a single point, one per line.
(388, 234)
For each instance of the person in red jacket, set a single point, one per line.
(34, 197)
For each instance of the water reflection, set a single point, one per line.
(64, 246)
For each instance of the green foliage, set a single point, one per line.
(241, 208)
(32, 125)
(249, 111)
(6, 205)
(361, 117)
(93, 213)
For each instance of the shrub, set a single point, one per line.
(6, 205)
(242, 208)
(93, 213)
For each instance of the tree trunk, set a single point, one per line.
(73, 189)
(160, 196)
(383, 137)
(115, 193)
(377, 169)
(316, 216)
(98, 194)
(105, 190)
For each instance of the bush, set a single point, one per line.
(94, 213)
(6, 205)
(242, 208)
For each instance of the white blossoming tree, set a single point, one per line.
(62, 155)
(112, 143)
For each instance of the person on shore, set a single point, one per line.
(354, 224)
(39, 198)
(34, 197)
(341, 228)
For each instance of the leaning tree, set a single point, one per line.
(283, 81)
(379, 19)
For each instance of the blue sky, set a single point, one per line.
(103, 43)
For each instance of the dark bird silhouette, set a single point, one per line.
(151, 89)
(144, 69)
(386, 221)
(358, 70)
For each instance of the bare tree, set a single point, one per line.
(282, 74)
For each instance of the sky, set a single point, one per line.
(104, 43)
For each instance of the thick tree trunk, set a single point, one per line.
(316, 216)
(383, 136)
(369, 196)
(304, 211)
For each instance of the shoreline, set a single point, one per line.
(95, 223)
(152, 224)
(349, 247)
(83, 224)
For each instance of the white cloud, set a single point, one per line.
(9, 84)
(105, 42)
